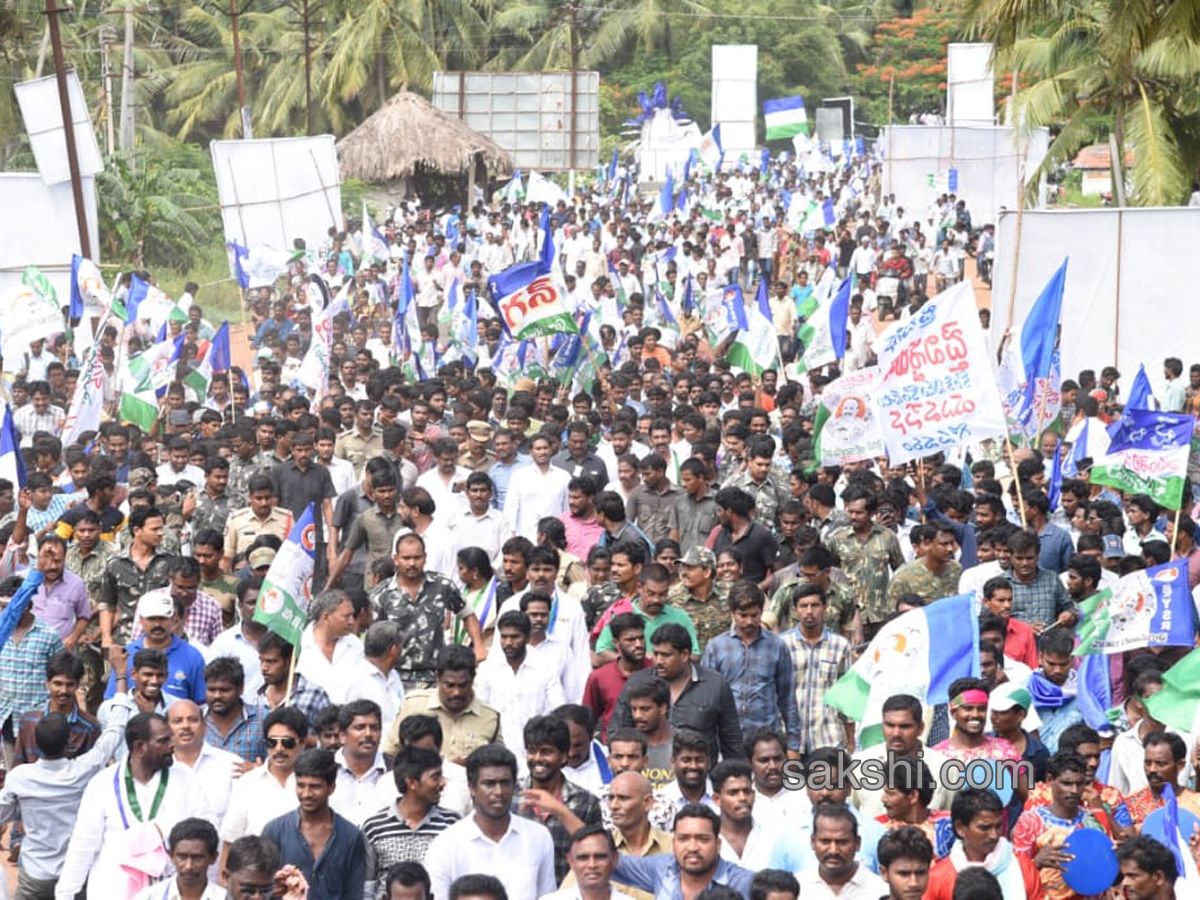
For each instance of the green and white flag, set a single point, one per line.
(824, 330)
(1148, 454)
(756, 347)
(215, 360)
(785, 118)
(139, 391)
(287, 589)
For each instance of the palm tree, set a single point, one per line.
(1130, 68)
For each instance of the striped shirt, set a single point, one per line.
(818, 665)
(23, 671)
(390, 840)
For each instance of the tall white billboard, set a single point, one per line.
(275, 190)
(735, 97)
(970, 85)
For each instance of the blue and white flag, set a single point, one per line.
(466, 327)
(12, 463)
(920, 652)
(1140, 394)
(710, 148)
(1148, 608)
(374, 244)
(666, 199)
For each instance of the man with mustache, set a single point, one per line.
(835, 843)
(694, 865)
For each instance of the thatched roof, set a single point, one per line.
(410, 132)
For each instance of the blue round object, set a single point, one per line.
(1095, 866)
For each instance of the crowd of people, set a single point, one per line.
(563, 642)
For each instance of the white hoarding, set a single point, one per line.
(988, 164)
(44, 233)
(1127, 300)
(735, 97)
(538, 117)
(275, 190)
(970, 85)
(42, 114)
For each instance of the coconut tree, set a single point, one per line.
(1130, 68)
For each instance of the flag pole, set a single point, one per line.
(291, 679)
(1016, 265)
(1012, 462)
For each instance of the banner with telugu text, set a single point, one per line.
(939, 389)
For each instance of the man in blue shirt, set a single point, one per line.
(327, 849)
(758, 666)
(694, 866)
(185, 664)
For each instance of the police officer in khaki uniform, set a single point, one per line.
(478, 457)
(262, 516)
(362, 442)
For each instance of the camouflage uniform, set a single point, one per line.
(711, 617)
(224, 590)
(212, 512)
(123, 585)
(768, 496)
(841, 603)
(240, 473)
(870, 563)
(422, 624)
(597, 600)
(91, 568)
(914, 578)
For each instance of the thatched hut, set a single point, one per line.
(409, 143)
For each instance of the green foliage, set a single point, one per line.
(909, 54)
(1131, 69)
(159, 209)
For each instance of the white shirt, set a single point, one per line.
(160, 891)
(99, 841)
(523, 858)
(787, 809)
(366, 682)
(231, 642)
(532, 690)
(534, 495)
(1126, 772)
(864, 885)
(488, 532)
(259, 799)
(215, 770)
(166, 475)
(447, 502)
(356, 797)
(341, 473)
(572, 893)
(324, 672)
(973, 579)
(757, 852)
(569, 632)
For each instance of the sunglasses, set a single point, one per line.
(288, 743)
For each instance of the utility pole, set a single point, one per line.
(308, 128)
(243, 110)
(64, 103)
(127, 98)
(110, 141)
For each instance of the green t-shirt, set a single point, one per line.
(669, 614)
